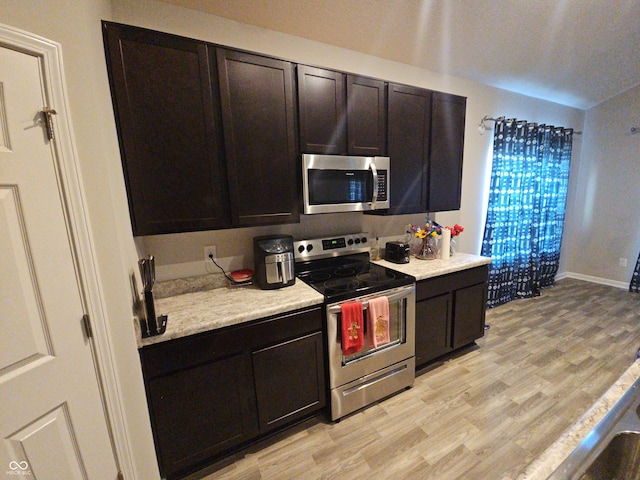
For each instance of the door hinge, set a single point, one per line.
(48, 121)
(87, 326)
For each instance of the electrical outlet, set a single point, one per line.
(210, 251)
(622, 262)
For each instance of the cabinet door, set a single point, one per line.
(366, 116)
(289, 380)
(469, 314)
(258, 110)
(202, 411)
(321, 98)
(447, 145)
(408, 147)
(169, 128)
(433, 328)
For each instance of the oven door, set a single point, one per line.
(347, 368)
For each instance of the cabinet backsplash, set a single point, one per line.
(180, 255)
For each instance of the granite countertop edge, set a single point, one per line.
(424, 269)
(545, 464)
(201, 311)
(198, 312)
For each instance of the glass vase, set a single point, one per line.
(453, 247)
(427, 250)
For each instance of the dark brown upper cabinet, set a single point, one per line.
(321, 100)
(209, 135)
(447, 146)
(165, 98)
(425, 144)
(366, 116)
(341, 114)
(259, 118)
(409, 128)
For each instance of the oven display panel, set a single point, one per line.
(332, 243)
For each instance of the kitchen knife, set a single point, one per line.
(142, 264)
(152, 271)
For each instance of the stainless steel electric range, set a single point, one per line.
(339, 268)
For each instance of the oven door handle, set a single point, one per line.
(392, 298)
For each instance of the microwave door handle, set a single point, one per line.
(374, 199)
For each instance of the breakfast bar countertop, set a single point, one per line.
(553, 456)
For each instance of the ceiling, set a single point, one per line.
(574, 52)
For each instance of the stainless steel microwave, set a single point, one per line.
(338, 183)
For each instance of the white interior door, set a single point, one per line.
(52, 418)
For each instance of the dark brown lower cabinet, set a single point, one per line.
(468, 321)
(201, 411)
(433, 327)
(213, 393)
(450, 312)
(294, 367)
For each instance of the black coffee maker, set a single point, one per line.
(273, 261)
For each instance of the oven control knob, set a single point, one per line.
(364, 239)
(357, 241)
(309, 247)
(350, 241)
(301, 248)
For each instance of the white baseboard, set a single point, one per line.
(589, 278)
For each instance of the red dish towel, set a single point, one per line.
(352, 327)
(378, 321)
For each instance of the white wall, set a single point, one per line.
(76, 26)
(603, 219)
(180, 255)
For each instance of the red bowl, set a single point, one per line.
(243, 275)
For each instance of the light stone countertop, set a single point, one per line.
(553, 456)
(423, 269)
(197, 312)
(211, 308)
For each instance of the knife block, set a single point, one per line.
(152, 325)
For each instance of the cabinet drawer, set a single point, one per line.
(284, 327)
(175, 355)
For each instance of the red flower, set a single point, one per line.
(455, 230)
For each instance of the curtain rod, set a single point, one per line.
(482, 127)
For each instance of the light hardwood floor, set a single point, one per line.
(485, 414)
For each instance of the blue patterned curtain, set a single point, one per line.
(525, 215)
(634, 286)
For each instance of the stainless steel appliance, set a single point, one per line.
(397, 252)
(335, 183)
(273, 261)
(339, 268)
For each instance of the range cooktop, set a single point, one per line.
(339, 268)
